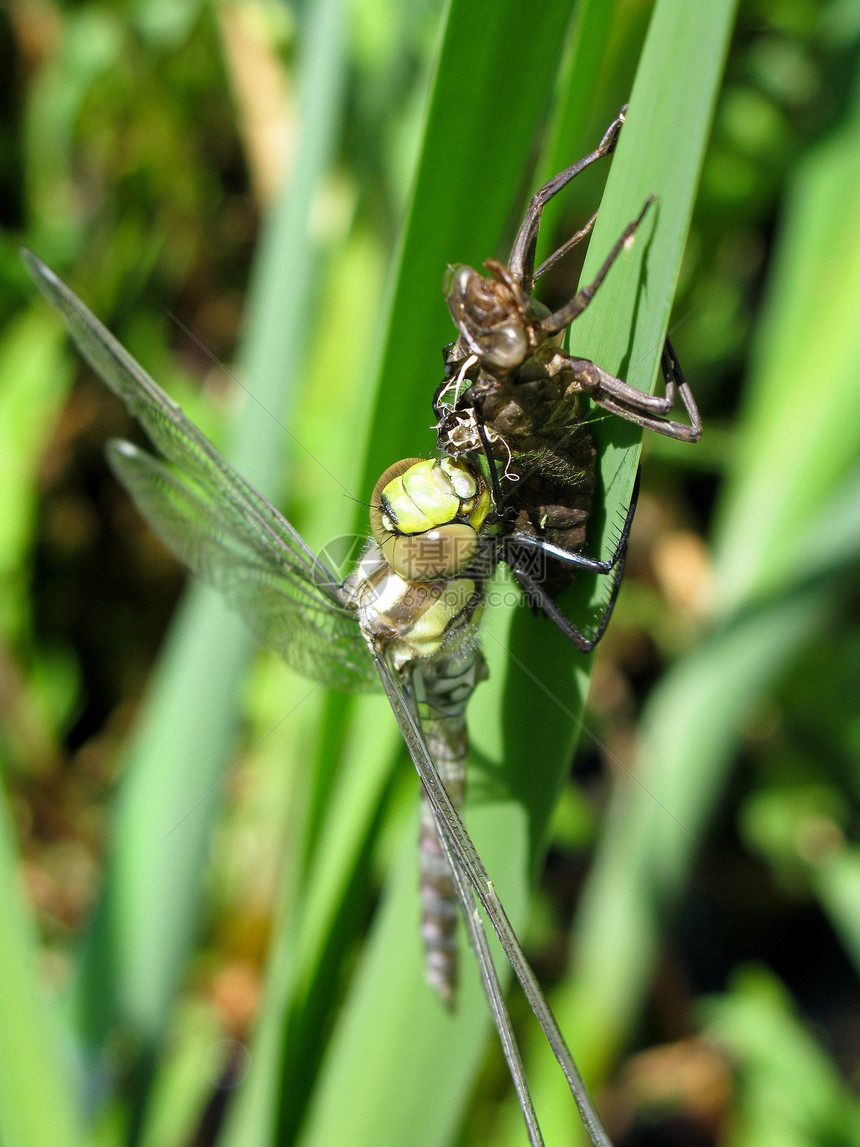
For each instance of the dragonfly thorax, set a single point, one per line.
(413, 621)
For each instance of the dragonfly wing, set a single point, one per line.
(239, 504)
(460, 847)
(448, 820)
(285, 610)
(403, 706)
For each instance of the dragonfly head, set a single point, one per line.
(425, 516)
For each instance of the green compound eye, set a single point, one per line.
(439, 553)
(425, 516)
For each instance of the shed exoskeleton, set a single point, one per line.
(511, 393)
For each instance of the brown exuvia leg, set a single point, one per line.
(565, 315)
(646, 410)
(522, 260)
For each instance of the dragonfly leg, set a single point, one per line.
(571, 557)
(495, 485)
(542, 600)
(539, 597)
(646, 410)
(522, 260)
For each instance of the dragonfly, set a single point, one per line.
(511, 394)
(404, 620)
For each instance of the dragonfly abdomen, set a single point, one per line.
(442, 689)
(438, 898)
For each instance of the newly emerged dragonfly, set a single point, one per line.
(512, 394)
(405, 619)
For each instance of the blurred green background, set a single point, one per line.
(194, 843)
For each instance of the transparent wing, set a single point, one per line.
(287, 612)
(178, 439)
(467, 866)
(215, 521)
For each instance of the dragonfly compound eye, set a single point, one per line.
(433, 555)
(425, 516)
